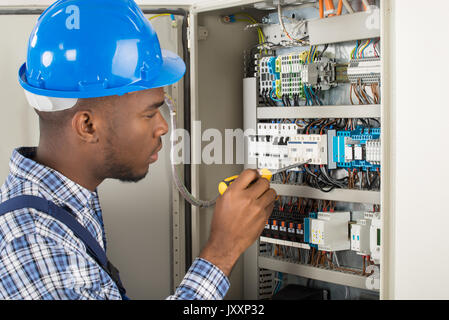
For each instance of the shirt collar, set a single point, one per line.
(62, 189)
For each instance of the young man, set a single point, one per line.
(95, 75)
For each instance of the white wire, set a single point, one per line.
(348, 6)
(281, 23)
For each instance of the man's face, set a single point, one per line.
(134, 133)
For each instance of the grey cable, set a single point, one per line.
(179, 185)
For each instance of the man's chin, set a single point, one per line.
(133, 178)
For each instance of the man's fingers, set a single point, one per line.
(245, 179)
(268, 198)
(269, 210)
(259, 187)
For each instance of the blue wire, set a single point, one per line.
(271, 96)
(356, 49)
(311, 93)
(316, 96)
(363, 51)
(307, 95)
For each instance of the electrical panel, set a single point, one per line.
(318, 99)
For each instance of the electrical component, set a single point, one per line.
(321, 73)
(359, 148)
(364, 70)
(375, 240)
(373, 152)
(308, 146)
(278, 145)
(287, 78)
(360, 236)
(288, 129)
(285, 227)
(290, 68)
(330, 231)
(267, 75)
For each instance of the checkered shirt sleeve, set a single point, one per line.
(203, 281)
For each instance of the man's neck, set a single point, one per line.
(68, 163)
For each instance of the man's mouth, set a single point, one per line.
(155, 155)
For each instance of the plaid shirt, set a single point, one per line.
(41, 258)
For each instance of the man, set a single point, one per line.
(95, 75)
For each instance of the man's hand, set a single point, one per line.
(239, 218)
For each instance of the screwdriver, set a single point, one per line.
(264, 173)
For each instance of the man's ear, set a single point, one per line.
(84, 124)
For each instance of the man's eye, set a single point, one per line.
(150, 115)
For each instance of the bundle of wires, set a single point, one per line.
(278, 280)
(281, 22)
(311, 54)
(312, 97)
(362, 96)
(244, 17)
(249, 18)
(324, 179)
(359, 88)
(359, 51)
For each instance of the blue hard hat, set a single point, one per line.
(95, 48)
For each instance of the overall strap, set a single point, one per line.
(62, 215)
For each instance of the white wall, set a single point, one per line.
(421, 150)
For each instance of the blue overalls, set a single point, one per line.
(92, 246)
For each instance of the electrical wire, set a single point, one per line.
(348, 6)
(179, 185)
(159, 15)
(254, 21)
(281, 22)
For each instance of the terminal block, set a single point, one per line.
(320, 74)
(360, 148)
(289, 68)
(364, 70)
(266, 78)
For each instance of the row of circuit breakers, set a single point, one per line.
(278, 145)
(292, 75)
(326, 231)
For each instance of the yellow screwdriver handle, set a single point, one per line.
(223, 185)
(266, 174)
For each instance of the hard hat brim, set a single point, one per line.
(172, 70)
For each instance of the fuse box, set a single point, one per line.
(309, 92)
